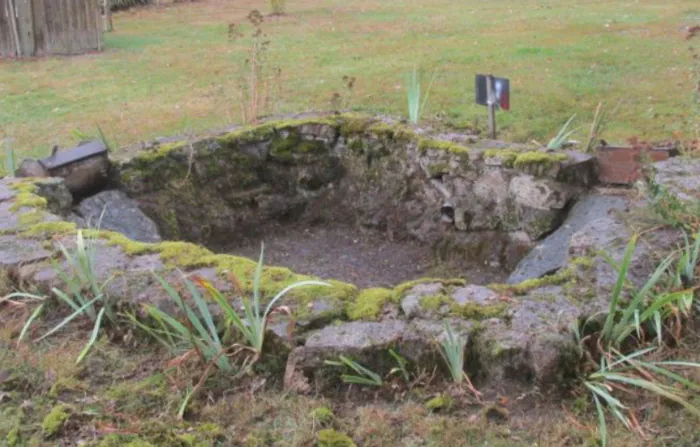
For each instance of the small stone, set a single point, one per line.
(474, 294)
(541, 194)
(410, 304)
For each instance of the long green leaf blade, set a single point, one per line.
(93, 338)
(29, 322)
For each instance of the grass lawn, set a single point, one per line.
(169, 70)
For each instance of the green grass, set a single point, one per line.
(161, 67)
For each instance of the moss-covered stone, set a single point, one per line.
(400, 291)
(331, 438)
(506, 156)
(382, 130)
(54, 420)
(161, 151)
(434, 303)
(476, 311)
(355, 124)
(544, 159)
(468, 311)
(426, 144)
(267, 131)
(247, 134)
(530, 284)
(438, 169)
(369, 304)
(286, 147)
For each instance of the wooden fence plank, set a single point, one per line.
(10, 42)
(7, 43)
(25, 27)
(50, 27)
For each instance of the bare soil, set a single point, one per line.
(362, 257)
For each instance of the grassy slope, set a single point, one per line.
(172, 69)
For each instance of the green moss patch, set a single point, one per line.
(439, 403)
(286, 147)
(161, 151)
(247, 134)
(426, 144)
(468, 311)
(53, 422)
(266, 131)
(369, 304)
(331, 438)
(544, 159)
(31, 218)
(563, 276)
(323, 415)
(524, 287)
(46, 230)
(28, 200)
(25, 185)
(507, 156)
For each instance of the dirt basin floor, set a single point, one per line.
(358, 256)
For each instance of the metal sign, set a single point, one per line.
(494, 93)
(501, 91)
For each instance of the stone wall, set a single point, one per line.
(489, 203)
(519, 334)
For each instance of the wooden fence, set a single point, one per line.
(45, 27)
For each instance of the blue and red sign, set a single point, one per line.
(501, 91)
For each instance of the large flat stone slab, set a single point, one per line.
(15, 251)
(551, 254)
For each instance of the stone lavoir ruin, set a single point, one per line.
(520, 232)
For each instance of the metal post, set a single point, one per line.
(491, 100)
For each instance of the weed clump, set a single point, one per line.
(331, 438)
(323, 415)
(54, 421)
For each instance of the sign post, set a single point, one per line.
(491, 102)
(493, 93)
